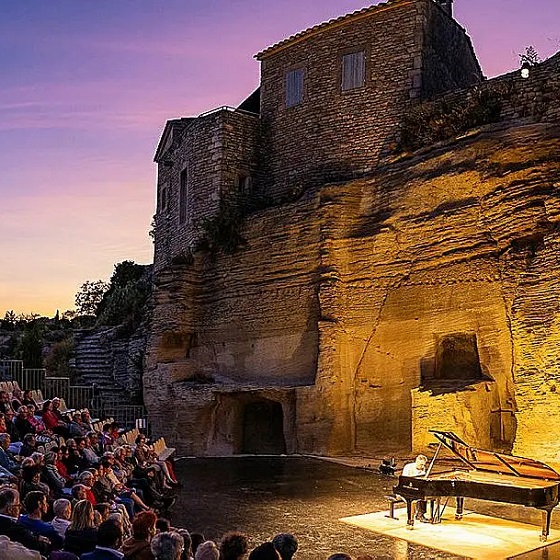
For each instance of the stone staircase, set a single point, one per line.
(100, 357)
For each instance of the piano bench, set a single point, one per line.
(393, 500)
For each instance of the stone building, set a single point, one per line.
(376, 294)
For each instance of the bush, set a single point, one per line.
(223, 231)
(428, 123)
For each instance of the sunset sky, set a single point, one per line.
(87, 85)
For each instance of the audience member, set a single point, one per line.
(37, 506)
(62, 510)
(286, 544)
(109, 540)
(10, 507)
(233, 546)
(264, 551)
(196, 540)
(81, 535)
(16, 551)
(168, 546)
(207, 551)
(138, 547)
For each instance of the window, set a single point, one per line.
(163, 199)
(243, 184)
(183, 196)
(353, 70)
(294, 87)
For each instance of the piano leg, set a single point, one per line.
(546, 514)
(410, 513)
(459, 510)
(435, 510)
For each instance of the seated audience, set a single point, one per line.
(37, 506)
(27, 399)
(7, 460)
(5, 405)
(264, 551)
(15, 551)
(10, 506)
(207, 551)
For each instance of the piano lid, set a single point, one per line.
(480, 459)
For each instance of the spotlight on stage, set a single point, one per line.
(388, 466)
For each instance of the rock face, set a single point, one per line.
(367, 312)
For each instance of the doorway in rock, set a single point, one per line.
(263, 428)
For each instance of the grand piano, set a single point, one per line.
(484, 475)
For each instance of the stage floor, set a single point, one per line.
(475, 536)
(263, 496)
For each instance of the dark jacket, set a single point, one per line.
(18, 533)
(134, 549)
(79, 542)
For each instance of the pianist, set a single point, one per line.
(418, 468)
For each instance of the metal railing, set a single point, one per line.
(57, 387)
(32, 378)
(11, 370)
(80, 396)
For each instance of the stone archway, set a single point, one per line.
(263, 428)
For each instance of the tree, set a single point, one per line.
(530, 56)
(125, 300)
(89, 296)
(30, 348)
(10, 321)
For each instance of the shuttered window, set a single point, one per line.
(183, 196)
(294, 87)
(353, 70)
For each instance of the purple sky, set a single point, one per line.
(87, 85)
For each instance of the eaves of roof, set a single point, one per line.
(331, 24)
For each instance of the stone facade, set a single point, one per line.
(199, 162)
(411, 49)
(359, 315)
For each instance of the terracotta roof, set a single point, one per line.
(358, 14)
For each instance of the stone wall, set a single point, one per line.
(448, 59)
(334, 134)
(367, 276)
(213, 149)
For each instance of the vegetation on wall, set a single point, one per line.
(428, 123)
(223, 231)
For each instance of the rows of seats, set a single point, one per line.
(9, 386)
(129, 437)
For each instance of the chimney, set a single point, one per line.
(447, 6)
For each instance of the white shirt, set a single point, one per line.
(410, 469)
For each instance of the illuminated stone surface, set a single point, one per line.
(338, 306)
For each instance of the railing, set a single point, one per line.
(10, 370)
(32, 378)
(57, 387)
(80, 397)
